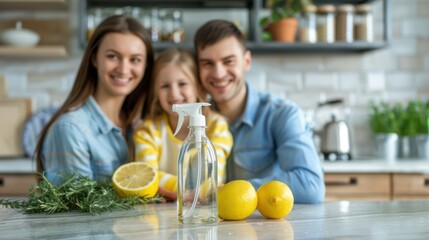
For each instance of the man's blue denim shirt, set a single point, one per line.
(83, 141)
(273, 142)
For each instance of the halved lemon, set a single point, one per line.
(136, 178)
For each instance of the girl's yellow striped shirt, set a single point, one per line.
(156, 145)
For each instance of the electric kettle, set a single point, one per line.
(335, 140)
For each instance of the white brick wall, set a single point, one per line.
(397, 73)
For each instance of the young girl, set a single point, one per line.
(89, 134)
(174, 81)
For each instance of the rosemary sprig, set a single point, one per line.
(75, 193)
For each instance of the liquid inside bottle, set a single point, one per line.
(197, 179)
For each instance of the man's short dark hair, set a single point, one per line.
(216, 30)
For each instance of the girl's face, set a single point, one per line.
(174, 87)
(120, 63)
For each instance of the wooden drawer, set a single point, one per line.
(350, 186)
(410, 184)
(16, 184)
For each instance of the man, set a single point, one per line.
(271, 139)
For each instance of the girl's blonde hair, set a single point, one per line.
(183, 59)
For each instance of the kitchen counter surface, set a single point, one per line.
(378, 166)
(333, 220)
(26, 165)
(17, 165)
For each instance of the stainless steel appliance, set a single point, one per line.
(335, 139)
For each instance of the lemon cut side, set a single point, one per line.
(136, 178)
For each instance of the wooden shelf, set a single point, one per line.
(254, 34)
(37, 52)
(33, 4)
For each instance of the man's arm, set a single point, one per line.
(297, 163)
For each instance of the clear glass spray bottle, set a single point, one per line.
(197, 170)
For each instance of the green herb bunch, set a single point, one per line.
(75, 193)
(411, 122)
(385, 119)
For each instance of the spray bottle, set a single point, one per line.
(197, 170)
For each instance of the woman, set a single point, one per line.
(89, 134)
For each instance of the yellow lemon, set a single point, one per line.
(136, 178)
(275, 199)
(237, 200)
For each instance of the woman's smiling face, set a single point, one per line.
(120, 63)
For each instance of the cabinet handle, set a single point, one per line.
(1, 182)
(351, 181)
(426, 182)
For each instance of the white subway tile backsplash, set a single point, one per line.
(306, 100)
(379, 60)
(364, 98)
(303, 63)
(415, 27)
(421, 80)
(375, 81)
(53, 82)
(289, 80)
(404, 97)
(406, 9)
(426, 62)
(404, 46)
(400, 80)
(257, 79)
(15, 81)
(320, 81)
(410, 63)
(359, 116)
(278, 89)
(423, 9)
(342, 62)
(351, 81)
(423, 44)
(363, 142)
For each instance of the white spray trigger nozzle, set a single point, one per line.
(193, 110)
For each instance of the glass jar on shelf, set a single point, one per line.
(166, 25)
(155, 25)
(326, 23)
(364, 23)
(178, 34)
(344, 23)
(307, 31)
(93, 18)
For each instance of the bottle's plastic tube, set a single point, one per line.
(198, 183)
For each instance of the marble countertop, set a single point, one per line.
(332, 220)
(368, 165)
(378, 166)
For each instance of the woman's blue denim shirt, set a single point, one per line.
(83, 141)
(273, 142)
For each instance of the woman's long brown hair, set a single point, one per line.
(86, 79)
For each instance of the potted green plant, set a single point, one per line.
(384, 122)
(422, 137)
(282, 24)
